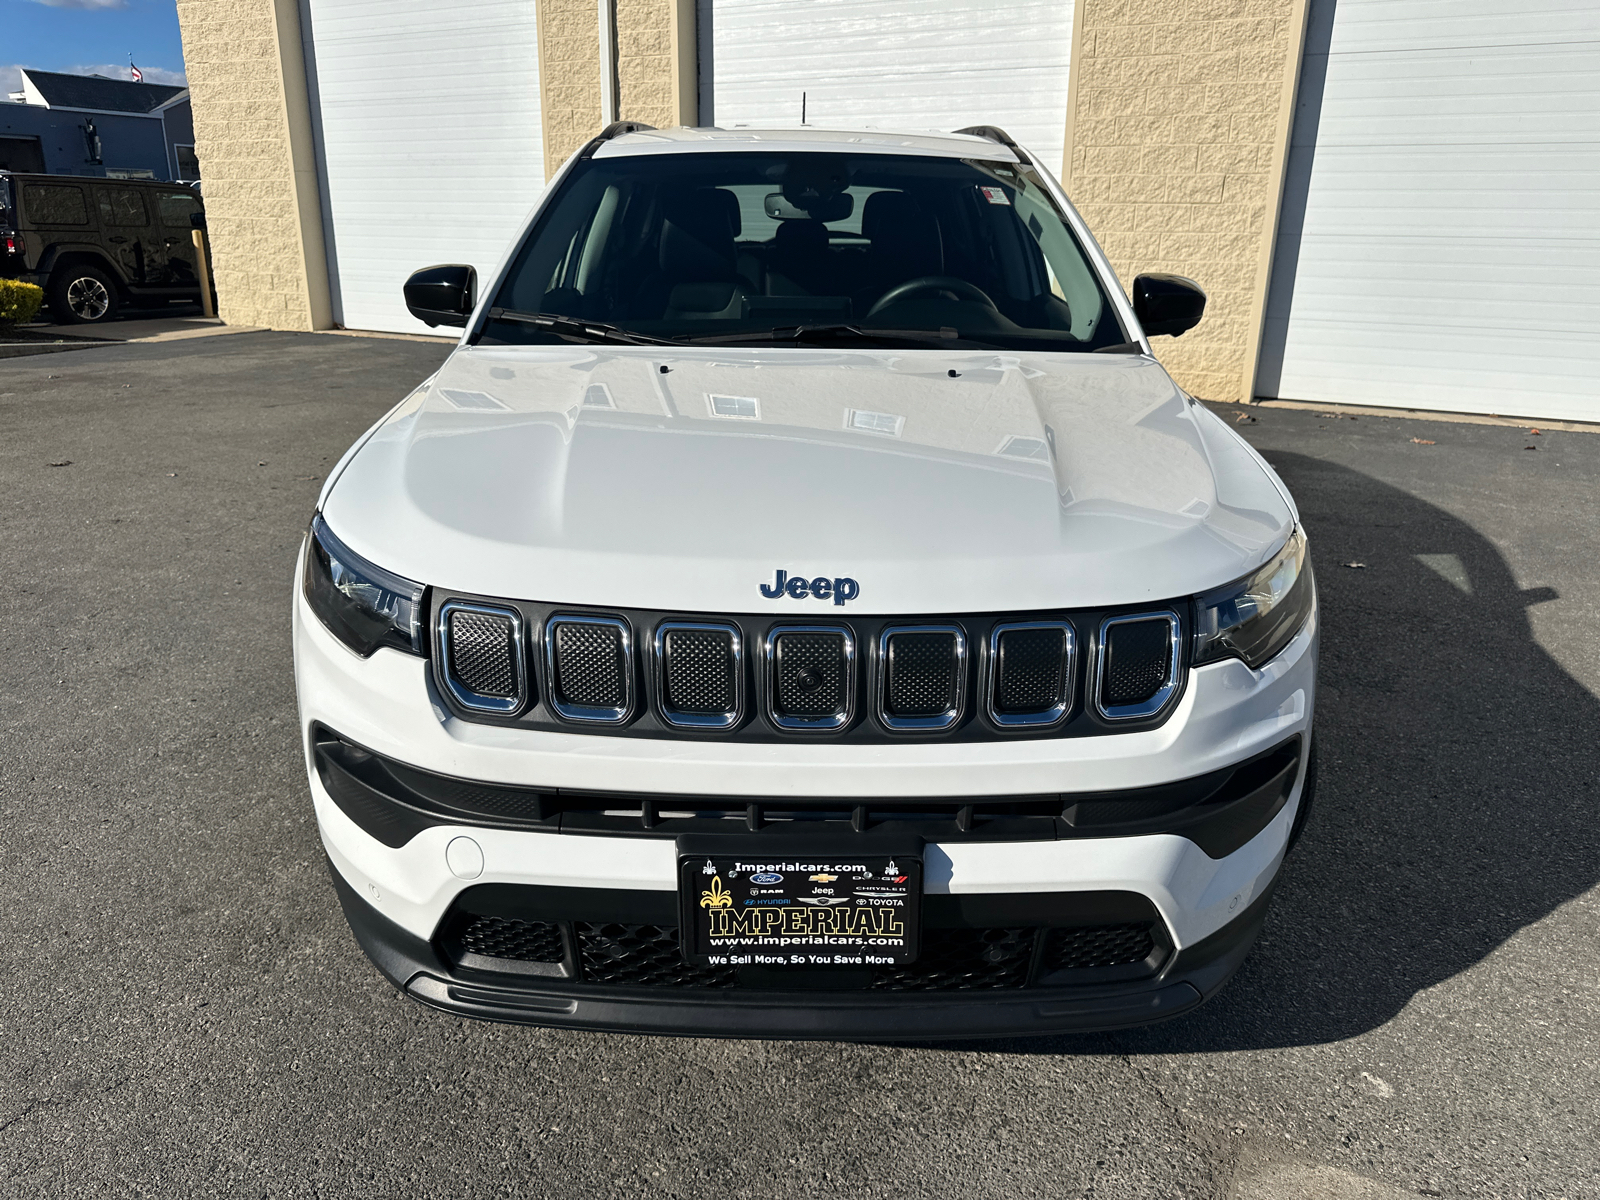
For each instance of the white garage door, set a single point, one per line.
(431, 145)
(1439, 246)
(936, 64)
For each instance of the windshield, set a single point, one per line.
(5, 203)
(892, 250)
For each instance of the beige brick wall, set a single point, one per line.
(1177, 130)
(253, 139)
(655, 69)
(569, 77)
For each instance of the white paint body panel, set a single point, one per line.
(503, 482)
(1437, 247)
(432, 145)
(938, 64)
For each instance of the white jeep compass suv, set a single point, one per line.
(802, 606)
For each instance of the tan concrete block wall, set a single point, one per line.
(644, 62)
(569, 77)
(655, 69)
(255, 171)
(1176, 138)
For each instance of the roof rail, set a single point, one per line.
(618, 128)
(996, 134)
(614, 130)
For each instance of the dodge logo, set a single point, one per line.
(840, 590)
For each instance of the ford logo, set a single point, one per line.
(840, 590)
(766, 877)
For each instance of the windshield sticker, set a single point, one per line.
(995, 195)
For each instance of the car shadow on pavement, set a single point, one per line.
(1458, 794)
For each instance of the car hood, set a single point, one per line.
(938, 481)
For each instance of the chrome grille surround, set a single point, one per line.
(659, 660)
(958, 680)
(1056, 713)
(593, 714)
(845, 712)
(1165, 693)
(465, 696)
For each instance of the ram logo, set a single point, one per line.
(797, 587)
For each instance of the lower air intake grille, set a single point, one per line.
(1138, 661)
(959, 959)
(641, 956)
(483, 653)
(1097, 946)
(811, 677)
(503, 937)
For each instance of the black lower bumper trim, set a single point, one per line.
(774, 1015)
(1188, 978)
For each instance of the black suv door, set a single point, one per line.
(131, 234)
(177, 234)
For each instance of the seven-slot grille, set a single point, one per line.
(590, 660)
(810, 677)
(696, 676)
(484, 661)
(1138, 664)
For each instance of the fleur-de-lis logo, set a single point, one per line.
(717, 897)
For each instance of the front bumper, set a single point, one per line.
(397, 896)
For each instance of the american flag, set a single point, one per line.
(138, 75)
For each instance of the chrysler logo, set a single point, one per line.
(840, 591)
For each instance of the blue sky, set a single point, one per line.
(90, 37)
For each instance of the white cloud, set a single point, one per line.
(10, 80)
(83, 3)
(116, 71)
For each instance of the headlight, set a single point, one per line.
(1256, 617)
(362, 605)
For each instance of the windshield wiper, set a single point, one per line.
(800, 333)
(578, 330)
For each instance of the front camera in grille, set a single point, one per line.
(589, 661)
(482, 657)
(1030, 673)
(699, 673)
(922, 677)
(1138, 665)
(811, 677)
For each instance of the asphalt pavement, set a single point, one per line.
(183, 1011)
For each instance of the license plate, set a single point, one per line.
(804, 912)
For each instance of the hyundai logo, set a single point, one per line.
(841, 590)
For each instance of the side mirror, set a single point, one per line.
(1167, 304)
(442, 295)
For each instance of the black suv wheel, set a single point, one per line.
(82, 295)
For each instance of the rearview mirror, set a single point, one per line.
(443, 295)
(831, 208)
(1167, 304)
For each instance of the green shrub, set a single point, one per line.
(19, 302)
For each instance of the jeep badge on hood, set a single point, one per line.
(841, 590)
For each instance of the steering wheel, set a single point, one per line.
(958, 289)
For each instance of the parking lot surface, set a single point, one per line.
(183, 1011)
